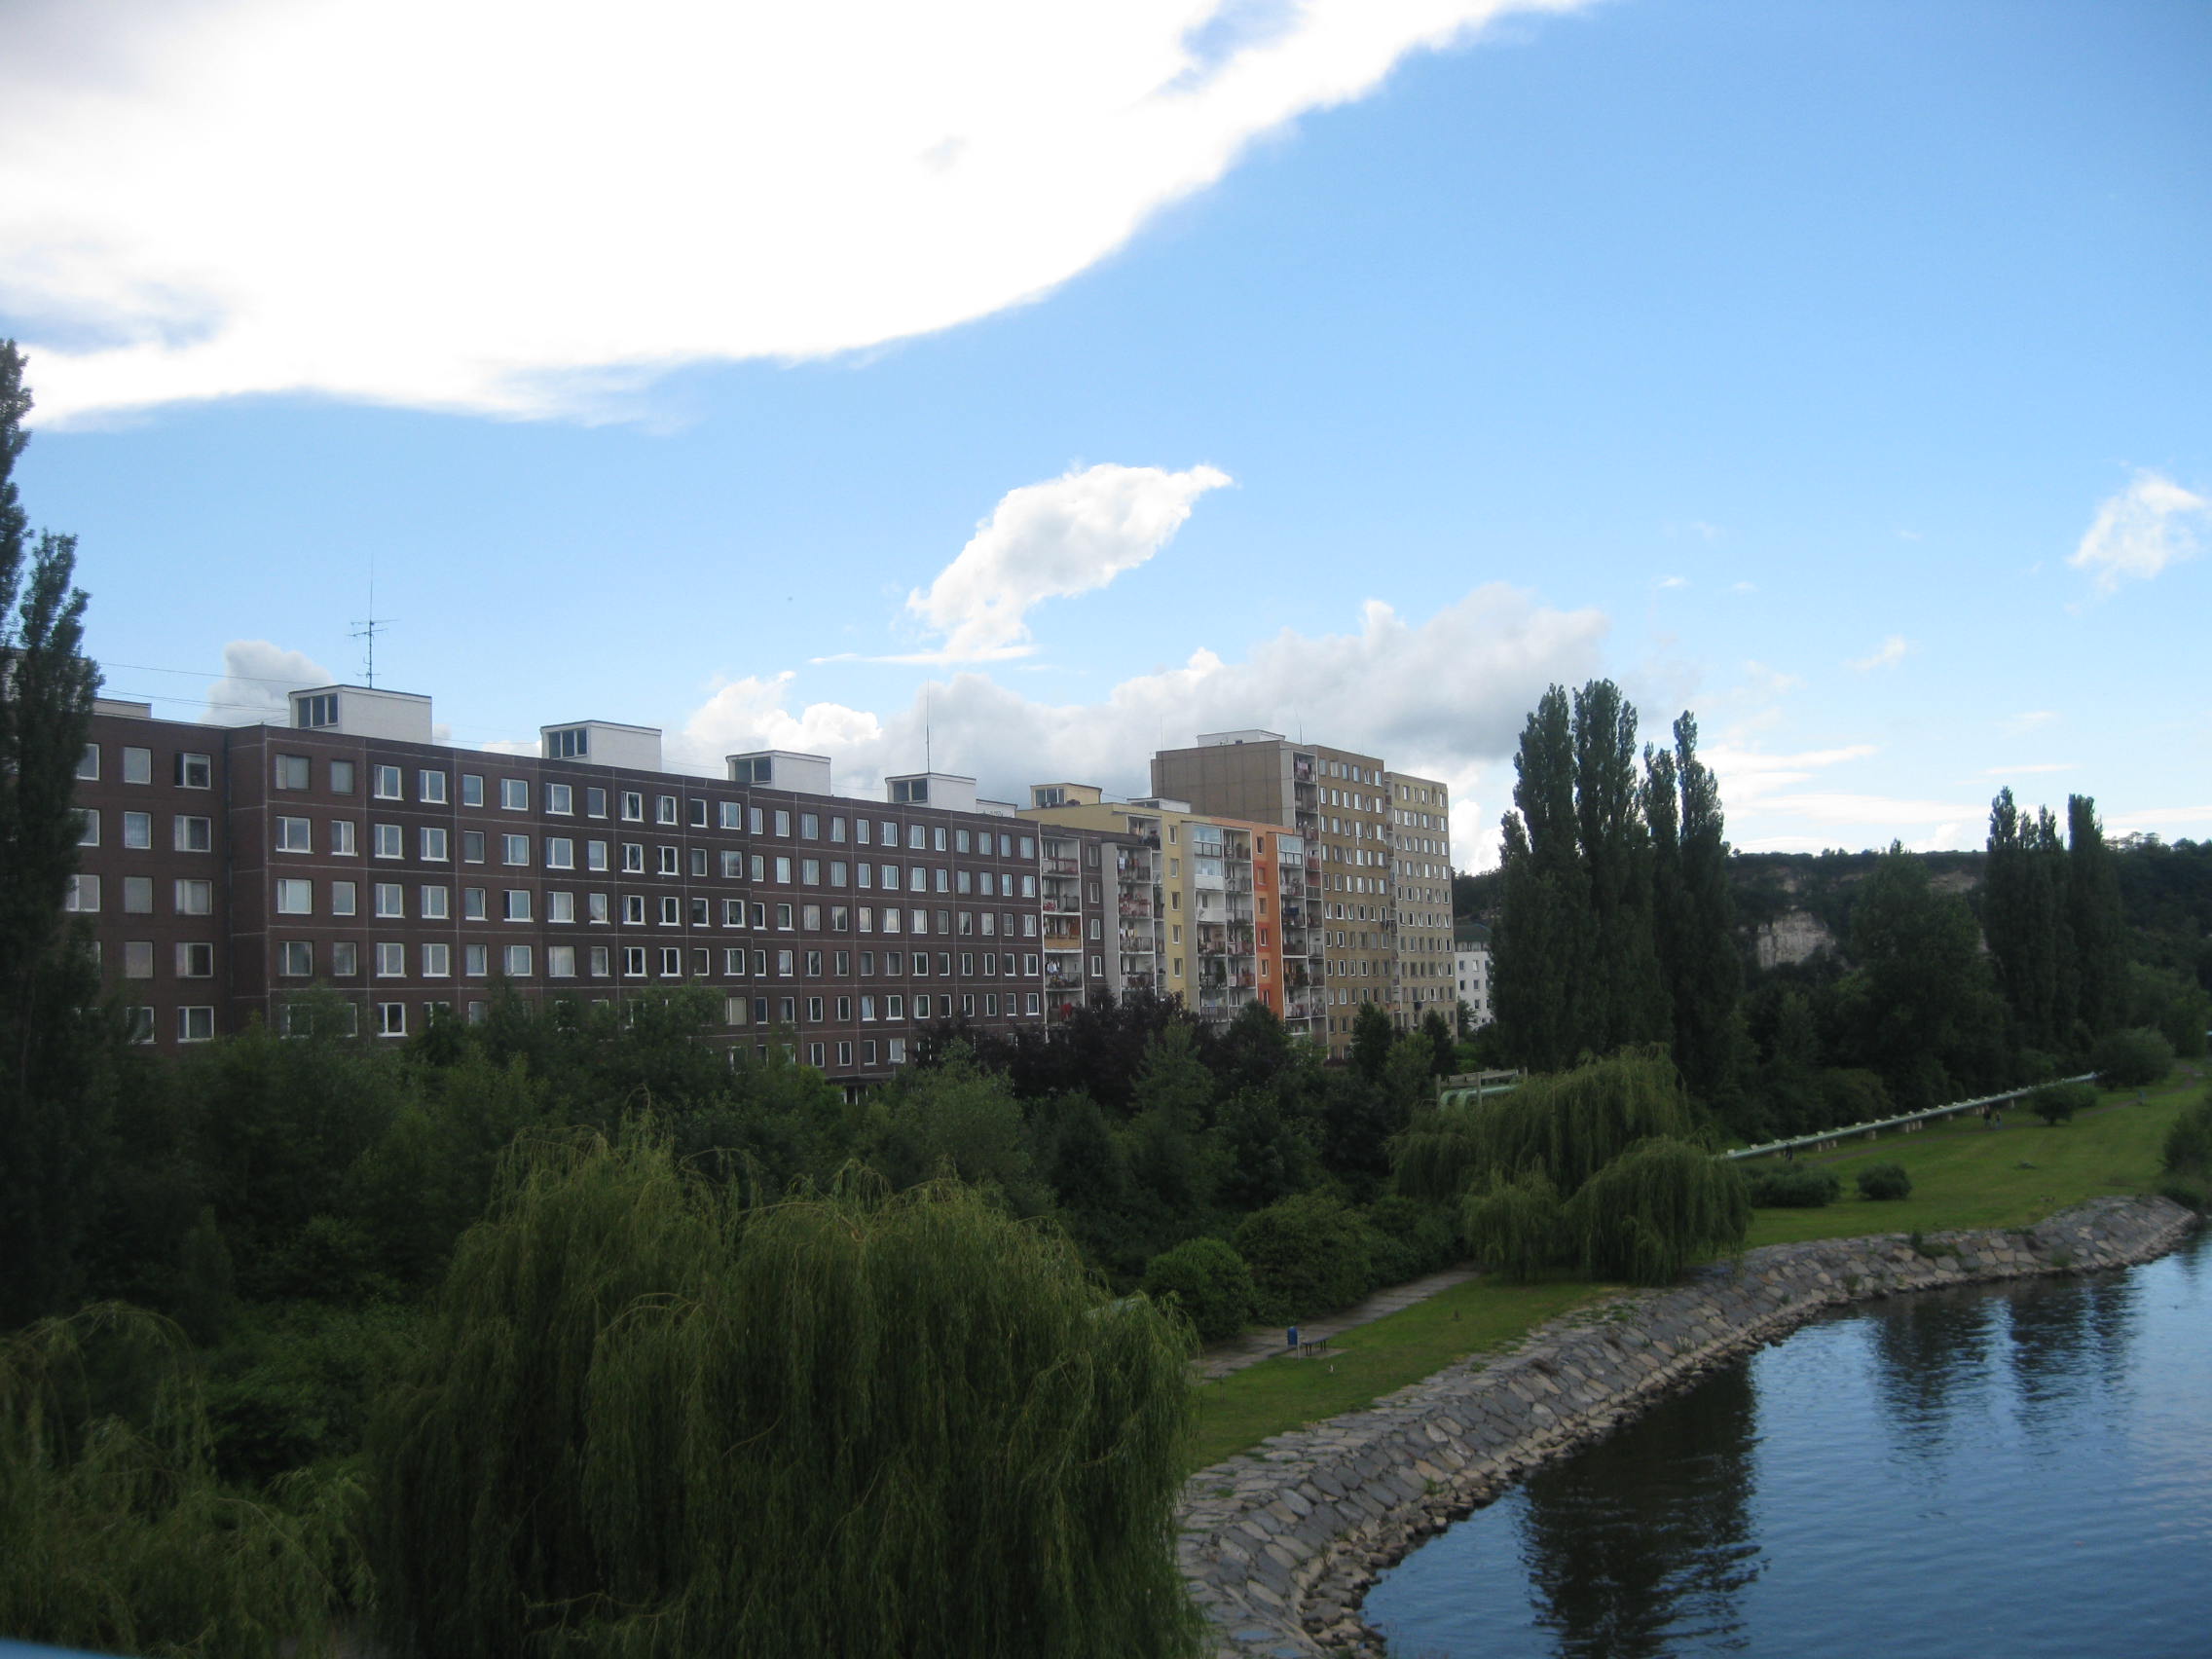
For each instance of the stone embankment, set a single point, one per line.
(1280, 1543)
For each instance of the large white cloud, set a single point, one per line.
(1069, 535)
(257, 683)
(1444, 698)
(525, 206)
(2140, 531)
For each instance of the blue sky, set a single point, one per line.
(1095, 377)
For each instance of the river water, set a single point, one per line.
(2015, 1470)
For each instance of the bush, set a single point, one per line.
(2189, 1194)
(2133, 1059)
(1787, 1186)
(1884, 1181)
(1407, 1239)
(1210, 1281)
(1309, 1254)
(2189, 1143)
(2056, 1102)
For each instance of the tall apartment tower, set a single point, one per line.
(1420, 846)
(1337, 801)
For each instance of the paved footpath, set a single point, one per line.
(1221, 1358)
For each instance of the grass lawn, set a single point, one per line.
(1966, 1175)
(1368, 1361)
(1963, 1176)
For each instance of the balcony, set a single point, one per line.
(1061, 866)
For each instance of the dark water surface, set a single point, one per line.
(2022, 1469)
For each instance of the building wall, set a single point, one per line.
(728, 890)
(1421, 837)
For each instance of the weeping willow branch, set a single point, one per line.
(1657, 1208)
(651, 1423)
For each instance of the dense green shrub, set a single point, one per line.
(2189, 1143)
(2189, 1194)
(1792, 1186)
(1660, 1206)
(650, 1422)
(1408, 1238)
(1210, 1281)
(2057, 1103)
(1517, 1227)
(2133, 1059)
(1308, 1255)
(1884, 1181)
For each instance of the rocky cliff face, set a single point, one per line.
(1792, 936)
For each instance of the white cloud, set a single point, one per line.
(1069, 535)
(2151, 817)
(1744, 587)
(257, 681)
(1888, 655)
(1674, 581)
(2029, 720)
(532, 207)
(2025, 772)
(2141, 531)
(1445, 698)
(1768, 682)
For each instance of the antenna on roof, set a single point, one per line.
(367, 629)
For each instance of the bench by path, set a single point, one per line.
(1219, 1359)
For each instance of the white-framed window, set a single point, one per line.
(633, 909)
(138, 768)
(289, 772)
(342, 777)
(193, 1024)
(385, 783)
(476, 960)
(343, 898)
(392, 1019)
(138, 831)
(560, 906)
(138, 895)
(392, 961)
(345, 959)
(83, 894)
(598, 961)
(633, 858)
(194, 835)
(388, 841)
(195, 897)
(595, 855)
(518, 959)
(295, 898)
(561, 798)
(436, 846)
(670, 912)
(472, 788)
(138, 959)
(517, 906)
(560, 853)
(437, 959)
(664, 809)
(895, 1050)
(137, 1023)
(733, 962)
(634, 961)
(388, 899)
(514, 794)
(194, 773)
(514, 849)
(671, 962)
(196, 961)
(633, 808)
(342, 842)
(596, 908)
(295, 835)
(668, 863)
(430, 787)
(435, 901)
(295, 959)
(729, 819)
(560, 962)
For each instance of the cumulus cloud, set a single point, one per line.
(1444, 698)
(1888, 655)
(1068, 535)
(258, 678)
(2139, 532)
(531, 208)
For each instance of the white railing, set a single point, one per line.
(1905, 1120)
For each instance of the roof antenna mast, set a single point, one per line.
(367, 629)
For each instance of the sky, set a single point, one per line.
(1039, 385)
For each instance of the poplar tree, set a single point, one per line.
(49, 1127)
(2025, 920)
(2093, 904)
(1693, 915)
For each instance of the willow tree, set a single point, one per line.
(1656, 1209)
(115, 1534)
(649, 1422)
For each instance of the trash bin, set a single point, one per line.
(1290, 1337)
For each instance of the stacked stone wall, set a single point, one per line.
(1280, 1543)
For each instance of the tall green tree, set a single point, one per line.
(2092, 908)
(2026, 922)
(1694, 918)
(1927, 1012)
(1627, 1003)
(51, 1036)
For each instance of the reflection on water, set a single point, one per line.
(2023, 1469)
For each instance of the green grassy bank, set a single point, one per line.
(1963, 1176)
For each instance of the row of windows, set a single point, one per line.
(188, 772)
(434, 959)
(187, 833)
(189, 897)
(389, 783)
(194, 961)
